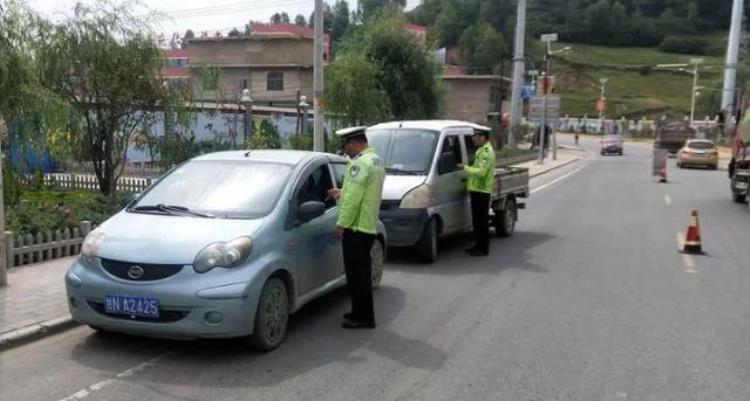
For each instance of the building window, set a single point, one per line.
(495, 97)
(275, 81)
(243, 83)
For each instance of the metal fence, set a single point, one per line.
(25, 249)
(130, 170)
(87, 181)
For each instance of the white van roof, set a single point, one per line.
(435, 125)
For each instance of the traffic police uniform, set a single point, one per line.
(359, 207)
(481, 177)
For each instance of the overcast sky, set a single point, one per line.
(200, 15)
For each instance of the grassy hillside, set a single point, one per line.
(635, 88)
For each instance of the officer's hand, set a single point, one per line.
(338, 232)
(334, 193)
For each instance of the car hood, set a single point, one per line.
(396, 186)
(152, 238)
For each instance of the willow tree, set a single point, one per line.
(104, 62)
(27, 109)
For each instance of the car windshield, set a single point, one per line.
(221, 189)
(404, 151)
(701, 145)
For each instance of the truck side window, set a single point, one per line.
(451, 147)
(470, 149)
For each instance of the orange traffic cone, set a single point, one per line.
(663, 174)
(693, 236)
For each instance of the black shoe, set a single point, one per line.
(347, 316)
(477, 252)
(358, 325)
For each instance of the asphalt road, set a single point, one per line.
(590, 300)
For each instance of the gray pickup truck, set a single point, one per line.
(424, 195)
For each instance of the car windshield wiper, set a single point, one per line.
(400, 171)
(171, 209)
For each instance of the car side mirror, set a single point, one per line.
(447, 163)
(310, 210)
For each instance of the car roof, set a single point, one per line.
(435, 125)
(700, 140)
(289, 157)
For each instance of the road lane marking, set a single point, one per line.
(81, 394)
(667, 200)
(555, 181)
(687, 260)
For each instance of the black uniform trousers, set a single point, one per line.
(480, 219)
(358, 268)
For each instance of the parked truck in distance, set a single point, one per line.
(424, 195)
(672, 136)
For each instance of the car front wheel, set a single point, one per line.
(272, 316)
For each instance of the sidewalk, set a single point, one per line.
(565, 156)
(34, 303)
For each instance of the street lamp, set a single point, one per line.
(247, 102)
(303, 106)
(548, 39)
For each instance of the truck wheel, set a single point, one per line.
(738, 198)
(378, 260)
(427, 247)
(505, 222)
(272, 316)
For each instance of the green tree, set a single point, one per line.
(340, 22)
(234, 33)
(406, 70)
(370, 8)
(103, 62)
(352, 90)
(276, 18)
(284, 18)
(265, 136)
(300, 20)
(189, 34)
(482, 47)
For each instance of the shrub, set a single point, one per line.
(685, 45)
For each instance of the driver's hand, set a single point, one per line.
(334, 193)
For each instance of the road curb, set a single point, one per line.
(36, 331)
(569, 162)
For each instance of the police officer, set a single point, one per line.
(480, 178)
(359, 206)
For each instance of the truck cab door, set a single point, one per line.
(450, 192)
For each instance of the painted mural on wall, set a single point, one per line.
(219, 126)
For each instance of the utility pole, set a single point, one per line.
(730, 69)
(695, 62)
(318, 140)
(518, 67)
(602, 98)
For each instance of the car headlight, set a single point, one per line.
(90, 246)
(417, 198)
(223, 254)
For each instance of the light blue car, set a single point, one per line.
(225, 245)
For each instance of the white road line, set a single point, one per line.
(556, 180)
(79, 395)
(667, 200)
(687, 260)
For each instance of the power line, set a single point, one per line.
(221, 10)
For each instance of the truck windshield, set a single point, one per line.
(404, 151)
(219, 188)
